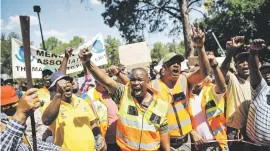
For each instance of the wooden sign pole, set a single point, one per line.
(25, 29)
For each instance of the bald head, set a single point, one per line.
(142, 70)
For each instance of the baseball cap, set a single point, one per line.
(46, 72)
(172, 55)
(241, 56)
(8, 95)
(57, 76)
(265, 65)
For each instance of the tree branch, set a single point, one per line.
(192, 2)
(161, 8)
(204, 15)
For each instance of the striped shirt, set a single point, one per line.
(258, 125)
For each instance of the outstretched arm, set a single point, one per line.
(52, 110)
(63, 66)
(198, 39)
(85, 56)
(219, 78)
(253, 62)
(231, 47)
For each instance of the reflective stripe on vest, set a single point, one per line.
(181, 106)
(219, 129)
(212, 113)
(215, 115)
(136, 145)
(146, 126)
(183, 123)
(137, 128)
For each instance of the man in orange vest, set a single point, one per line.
(206, 107)
(142, 123)
(173, 88)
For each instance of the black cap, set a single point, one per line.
(46, 72)
(242, 55)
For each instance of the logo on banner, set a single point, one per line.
(98, 47)
(20, 55)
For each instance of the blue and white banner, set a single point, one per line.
(41, 59)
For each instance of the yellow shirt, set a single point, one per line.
(44, 94)
(72, 129)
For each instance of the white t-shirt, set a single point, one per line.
(199, 117)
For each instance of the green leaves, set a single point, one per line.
(112, 45)
(228, 18)
(160, 49)
(56, 46)
(6, 60)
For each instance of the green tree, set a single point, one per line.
(76, 42)
(158, 51)
(112, 45)
(6, 60)
(56, 46)
(51, 43)
(133, 17)
(228, 18)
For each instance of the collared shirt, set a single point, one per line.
(119, 92)
(258, 125)
(72, 129)
(11, 137)
(238, 101)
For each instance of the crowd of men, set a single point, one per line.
(209, 107)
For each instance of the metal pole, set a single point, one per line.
(218, 43)
(25, 29)
(43, 44)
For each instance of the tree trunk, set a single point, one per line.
(189, 50)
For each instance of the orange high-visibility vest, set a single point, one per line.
(138, 129)
(215, 115)
(178, 117)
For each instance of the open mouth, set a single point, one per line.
(246, 71)
(68, 91)
(175, 71)
(137, 91)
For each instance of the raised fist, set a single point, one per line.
(198, 37)
(68, 52)
(113, 70)
(85, 55)
(235, 43)
(257, 44)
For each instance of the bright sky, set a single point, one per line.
(64, 19)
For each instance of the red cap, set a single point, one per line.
(8, 95)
